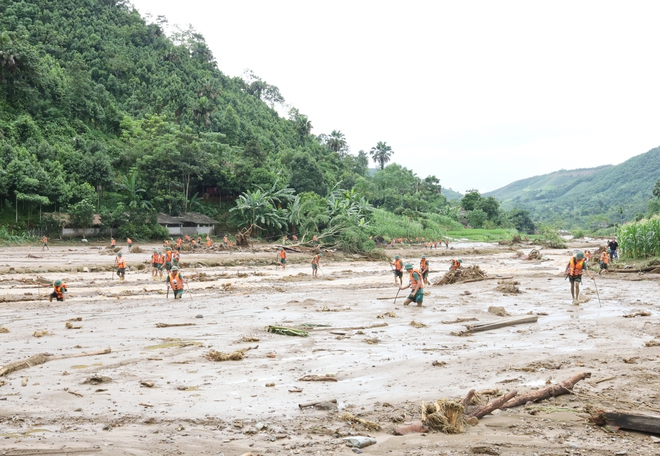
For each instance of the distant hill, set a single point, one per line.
(451, 195)
(590, 197)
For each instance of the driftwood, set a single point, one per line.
(633, 270)
(483, 278)
(630, 421)
(312, 404)
(317, 378)
(42, 358)
(46, 451)
(551, 391)
(500, 324)
(468, 397)
(169, 325)
(354, 328)
(496, 404)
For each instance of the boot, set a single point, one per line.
(50, 298)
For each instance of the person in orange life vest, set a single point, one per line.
(186, 239)
(166, 243)
(161, 263)
(231, 244)
(209, 241)
(424, 268)
(129, 243)
(447, 243)
(398, 269)
(175, 258)
(59, 288)
(604, 261)
(455, 264)
(175, 281)
(113, 243)
(155, 259)
(281, 258)
(199, 241)
(45, 241)
(225, 240)
(314, 240)
(121, 266)
(194, 244)
(589, 255)
(315, 264)
(295, 238)
(576, 265)
(416, 284)
(284, 239)
(179, 241)
(168, 258)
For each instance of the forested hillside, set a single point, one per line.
(101, 111)
(593, 198)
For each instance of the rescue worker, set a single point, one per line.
(179, 241)
(166, 243)
(225, 240)
(175, 258)
(316, 259)
(113, 243)
(281, 258)
(447, 243)
(576, 266)
(424, 268)
(588, 255)
(168, 259)
(174, 281)
(129, 243)
(121, 266)
(416, 284)
(315, 240)
(155, 259)
(161, 263)
(209, 241)
(456, 264)
(186, 238)
(59, 288)
(604, 261)
(398, 269)
(295, 238)
(194, 244)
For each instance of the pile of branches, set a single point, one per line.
(534, 255)
(461, 275)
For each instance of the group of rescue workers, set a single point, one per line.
(168, 259)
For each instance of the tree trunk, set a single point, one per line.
(496, 404)
(551, 391)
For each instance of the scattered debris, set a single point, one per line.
(3, 330)
(630, 421)
(68, 325)
(168, 325)
(42, 358)
(318, 378)
(237, 355)
(147, 383)
(638, 314)
(359, 441)
(409, 429)
(533, 255)
(417, 324)
(352, 419)
(499, 311)
(653, 343)
(287, 331)
(564, 387)
(97, 380)
(372, 340)
(75, 393)
(509, 287)
(249, 339)
(443, 416)
(322, 404)
(458, 320)
(387, 314)
(461, 275)
(41, 333)
(438, 363)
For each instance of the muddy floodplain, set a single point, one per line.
(202, 375)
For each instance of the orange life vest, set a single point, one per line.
(315, 260)
(424, 264)
(282, 254)
(59, 291)
(176, 282)
(398, 264)
(129, 241)
(154, 257)
(113, 243)
(455, 264)
(575, 267)
(121, 263)
(161, 259)
(178, 242)
(45, 239)
(413, 282)
(175, 256)
(605, 257)
(168, 256)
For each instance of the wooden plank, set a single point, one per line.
(633, 422)
(500, 324)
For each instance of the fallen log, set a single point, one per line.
(45, 451)
(496, 404)
(468, 397)
(630, 421)
(312, 404)
(500, 324)
(559, 389)
(42, 358)
(354, 328)
(317, 378)
(169, 325)
(482, 278)
(633, 270)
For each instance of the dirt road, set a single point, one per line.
(157, 393)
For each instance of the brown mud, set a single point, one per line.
(162, 394)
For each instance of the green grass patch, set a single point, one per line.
(482, 235)
(392, 226)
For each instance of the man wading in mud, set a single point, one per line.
(576, 265)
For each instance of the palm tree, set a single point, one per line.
(381, 153)
(337, 141)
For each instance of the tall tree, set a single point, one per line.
(337, 142)
(381, 154)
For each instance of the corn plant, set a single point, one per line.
(640, 239)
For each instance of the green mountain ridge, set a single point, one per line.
(593, 197)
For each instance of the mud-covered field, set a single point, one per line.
(158, 393)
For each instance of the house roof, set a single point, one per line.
(191, 217)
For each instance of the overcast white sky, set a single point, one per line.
(477, 93)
